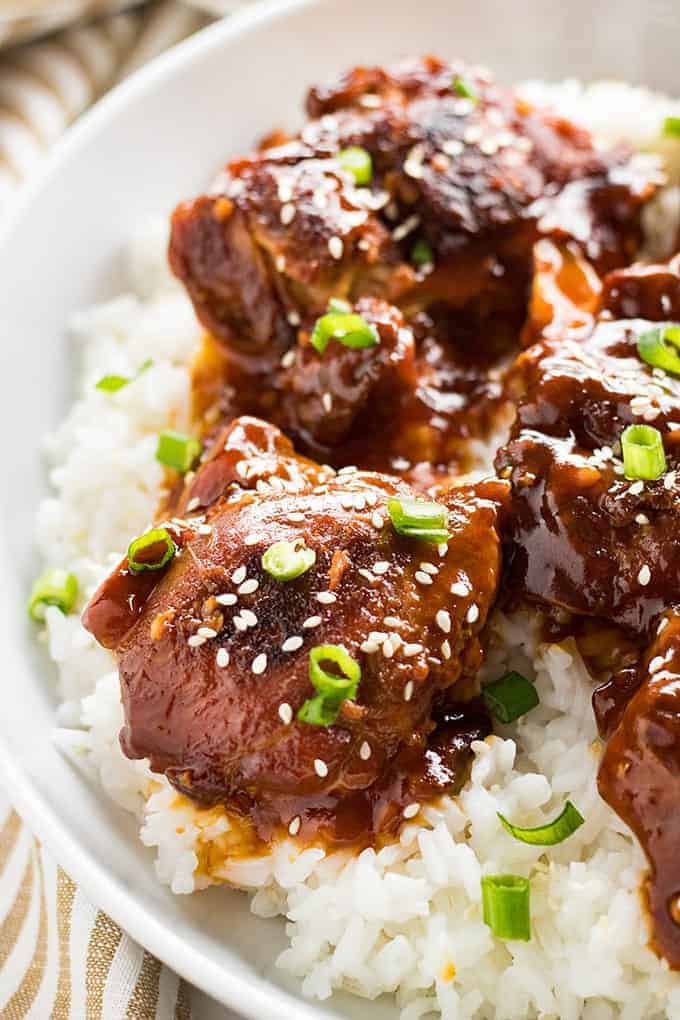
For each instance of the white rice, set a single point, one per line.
(408, 919)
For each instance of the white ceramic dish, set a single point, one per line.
(156, 139)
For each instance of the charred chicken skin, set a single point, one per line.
(215, 657)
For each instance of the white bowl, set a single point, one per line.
(157, 138)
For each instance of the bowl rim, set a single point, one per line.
(263, 999)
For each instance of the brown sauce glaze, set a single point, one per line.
(639, 775)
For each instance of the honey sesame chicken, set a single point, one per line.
(428, 260)
(460, 187)
(212, 694)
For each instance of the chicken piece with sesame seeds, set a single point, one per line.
(579, 534)
(463, 178)
(214, 703)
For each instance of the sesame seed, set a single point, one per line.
(207, 632)
(327, 401)
(228, 599)
(443, 621)
(288, 358)
(442, 549)
(296, 517)
(381, 567)
(240, 623)
(280, 263)
(411, 810)
(366, 573)
(645, 575)
(349, 469)
(377, 635)
(222, 658)
(662, 625)
(196, 640)
(405, 228)
(446, 649)
(429, 568)
(311, 621)
(285, 713)
(285, 191)
(636, 488)
(193, 504)
(392, 621)
(252, 539)
(320, 768)
(326, 598)
(204, 529)
(641, 519)
(388, 648)
(292, 644)
(287, 213)
(669, 480)
(336, 247)
(293, 318)
(422, 577)
(365, 751)
(294, 826)
(409, 650)
(360, 501)
(248, 617)
(239, 575)
(347, 501)
(472, 613)
(370, 100)
(249, 586)
(369, 647)
(259, 664)
(377, 520)
(408, 691)
(656, 663)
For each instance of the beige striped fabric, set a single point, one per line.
(60, 957)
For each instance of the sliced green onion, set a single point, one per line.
(660, 347)
(671, 127)
(421, 253)
(351, 330)
(415, 518)
(285, 561)
(340, 685)
(113, 383)
(464, 88)
(151, 551)
(506, 906)
(318, 711)
(177, 450)
(550, 834)
(337, 304)
(643, 454)
(332, 688)
(510, 697)
(54, 587)
(358, 162)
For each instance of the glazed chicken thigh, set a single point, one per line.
(215, 656)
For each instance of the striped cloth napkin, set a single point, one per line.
(60, 957)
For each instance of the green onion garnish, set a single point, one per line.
(422, 254)
(414, 518)
(506, 906)
(151, 551)
(53, 588)
(643, 453)
(332, 688)
(510, 697)
(113, 383)
(464, 88)
(287, 560)
(671, 127)
(660, 347)
(550, 834)
(351, 330)
(358, 162)
(177, 451)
